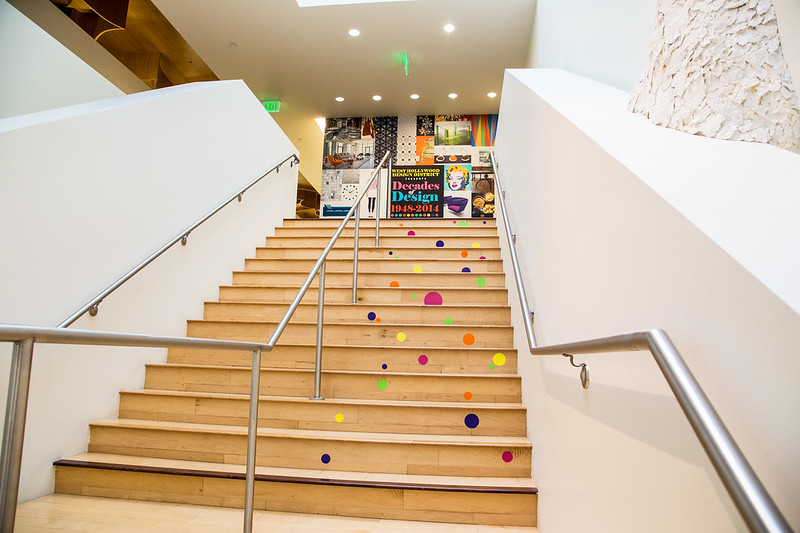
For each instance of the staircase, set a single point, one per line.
(422, 417)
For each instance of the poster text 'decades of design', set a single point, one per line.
(441, 166)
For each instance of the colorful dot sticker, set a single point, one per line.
(417, 268)
(423, 359)
(469, 339)
(480, 282)
(448, 321)
(491, 366)
(482, 257)
(499, 359)
(476, 245)
(440, 244)
(413, 294)
(401, 336)
(433, 298)
(463, 223)
(401, 224)
(394, 284)
(378, 319)
(411, 233)
(382, 384)
(371, 316)
(391, 253)
(471, 421)
(384, 366)
(339, 418)
(325, 458)
(484, 222)
(507, 457)
(464, 253)
(466, 269)
(467, 395)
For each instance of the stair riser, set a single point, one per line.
(372, 279)
(300, 384)
(359, 358)
(375, 295)
(367, 252)
(368, 231)
(375, 265)
(321, 415)
(466, 242)
(419, 458)
(398, 504)
(359, 314)
(390, 223)
(500, 337)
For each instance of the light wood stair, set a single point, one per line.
(422, 417)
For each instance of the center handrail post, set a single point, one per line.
(355, 252)
(320, 312)
(252, 436)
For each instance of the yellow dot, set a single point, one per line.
(339, 417)
(401, 336)
(417, 268)
(476, 245)
(499, 359)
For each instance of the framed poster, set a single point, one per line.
(416, 191)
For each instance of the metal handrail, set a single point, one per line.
(93, 305)
(754, 504)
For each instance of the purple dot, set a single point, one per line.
(423, 359)
(371, 315)
(384, 366)
(440, 244)
(508, 457)
(325, 458)
(433, 298)
(411, 233)
(471, 421)
(466, 269)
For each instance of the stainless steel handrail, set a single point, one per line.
(93, 304)
(755, 505)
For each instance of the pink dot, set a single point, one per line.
(423, 359)
(433, 298)
(508, 457)
(483, 257)
(411, 233)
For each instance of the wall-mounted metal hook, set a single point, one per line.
(584, 370)
(239, 197)
(184, 239)
(278, 169)
(93, 310)
(530, 311)
(514, 238)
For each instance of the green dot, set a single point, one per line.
(382, 384)
(491, 366)
(463, 223)
(448, 321)
(413, 294)
(480, 282)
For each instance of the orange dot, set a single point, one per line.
(377, 320)
(464, 254)
(469, 338)
(394, 284)
(467, 395)
(401, 223)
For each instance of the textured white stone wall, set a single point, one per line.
(716, 69)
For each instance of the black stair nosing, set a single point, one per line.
(274, 478)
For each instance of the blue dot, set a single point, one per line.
(466, 269)
(390, 253)
(484, 222)
(371, 316)
(471, 421)
(327, 458)
(384, 366)
(440, 244)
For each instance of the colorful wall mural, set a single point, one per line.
(441, 167)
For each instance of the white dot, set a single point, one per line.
(354, 32)
(452, 96)
(414, 96)
(449, 27)
(377, 98)
(339, 99)
(492, 95)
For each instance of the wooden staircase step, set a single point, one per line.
(372, 295)
(385, 334)
(465, 242)
(386, 223)
(368, 231)
(336, 384)
(385, 416)
(433, 264)
(354, 314)
(368, 251)
(436, 360)
(470, 500)
(373, 279)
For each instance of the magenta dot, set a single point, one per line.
(433, 298)
(423, 359)
(483, 257)
(508, 457)
(411, 233)
(454, 222)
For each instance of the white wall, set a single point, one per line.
(89, 192)
(608, 245)
(38, 72)
(609, 41)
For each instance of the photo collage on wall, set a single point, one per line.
(441, 166)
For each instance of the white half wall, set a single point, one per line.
(623, 226)
(92, 190)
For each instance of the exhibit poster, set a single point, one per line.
(416, 191)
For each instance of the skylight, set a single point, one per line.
(316, 3)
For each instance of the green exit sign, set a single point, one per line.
(273, 107)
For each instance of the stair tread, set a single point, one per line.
(523, 484)
(451, 440)
(382, 324)
(334, 401)
(363, 305)
(332, 371)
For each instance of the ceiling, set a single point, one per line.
(305, 57)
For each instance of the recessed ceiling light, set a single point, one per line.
(339, 99)
(377, 97)
(414, 96)
(492, 95)
(354, 32)
(452, 96)
(449, 27)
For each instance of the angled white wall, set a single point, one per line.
(621, 226)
